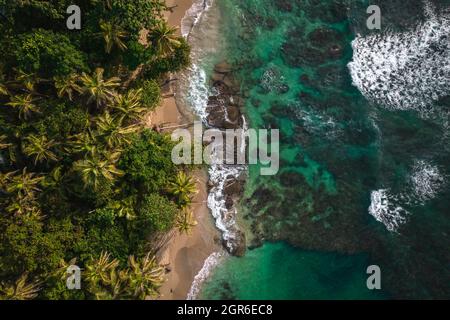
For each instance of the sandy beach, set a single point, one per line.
(184, 255)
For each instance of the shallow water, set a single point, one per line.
(363, 176)
(279, 271)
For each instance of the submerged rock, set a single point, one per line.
(284, 5)
(223, 67)
(240, 245)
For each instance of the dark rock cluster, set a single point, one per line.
(224, 111)
(224, 107)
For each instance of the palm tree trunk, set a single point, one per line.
(133, 76)
(185, 125)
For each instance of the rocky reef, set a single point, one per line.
(225, 111)
(336, 147)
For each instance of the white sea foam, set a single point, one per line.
(272, 79)
(225, 218)
(210, 263)
(426, 180)
(193, 16)
(317, 122)
(201, 29)
(195, 91)
(405, 70)
(384, 209)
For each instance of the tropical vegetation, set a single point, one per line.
(82, 181)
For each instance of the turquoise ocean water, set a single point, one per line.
(364, 150)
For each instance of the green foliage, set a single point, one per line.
(33, 247)
(183, 188)
(156, 214)
(136, 16)
(56, 289)
(103, 218)
(79, 176)
(147, 162)
(104, 279)
(46, 53)
(136, 54)
(179, 59)
(62, 120)
(99, 238)
(151, 93)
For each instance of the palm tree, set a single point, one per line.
(111, 130)
(85, 142)
(25, 105)
(97, 270)
(115, 284)
(61, 272)
(39, 147)
(124, 208)
(27, 80)
(53, 180)
(145, 277)
(95, 169)
(164, 39)
(24, 206)
(67, 86)
(185, 221)
(23, 185)
(183, 188)
(129, 105)
(20, 290)
(97, 88)
(113, 35)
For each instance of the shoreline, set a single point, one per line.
(184, 255)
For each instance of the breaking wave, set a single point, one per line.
(405, 70)
(210, 263)
(426, 181)
(384, 209)
(201, 28)
(193, 16)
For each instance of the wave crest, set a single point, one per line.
(405, 70)
(210, 263)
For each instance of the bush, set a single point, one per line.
(151, 95)
(135, 54)
(156, 214)
(31, 247)
(136, 15)
(63, 121)
(179, 60)
(147, 163)
(46, 53)
(97, 239)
